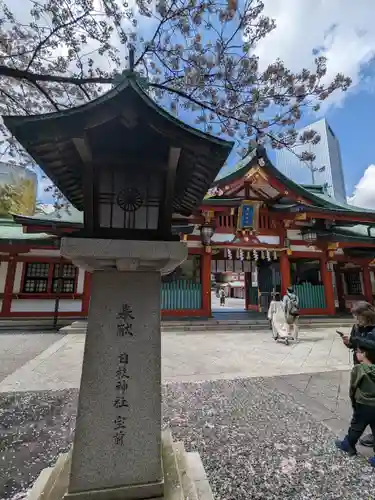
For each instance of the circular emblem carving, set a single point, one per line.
(129, 199)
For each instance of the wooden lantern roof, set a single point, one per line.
(125, 126)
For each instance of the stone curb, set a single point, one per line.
(32, 364)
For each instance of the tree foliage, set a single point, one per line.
(10, 199)
(198, 55)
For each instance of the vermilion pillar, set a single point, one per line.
(86, 294)
(328, 287)
(340, 288)
(367, 292)
(8, 288)
(206, 283)
(284, 272)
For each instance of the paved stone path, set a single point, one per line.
(193, 356)
(16, 349)
(231, 304)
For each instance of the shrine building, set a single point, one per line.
(254, 223)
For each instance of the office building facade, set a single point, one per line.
(326, 169)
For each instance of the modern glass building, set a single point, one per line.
(325, 170)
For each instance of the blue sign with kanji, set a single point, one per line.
(247, 219)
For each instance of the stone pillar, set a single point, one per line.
(328, 287)
(284, 272)
(117, 446)
(367, 285)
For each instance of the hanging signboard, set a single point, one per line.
(248, 216)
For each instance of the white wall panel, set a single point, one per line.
(81, 280)
(44, 305)
(3, 275)
(18, 277)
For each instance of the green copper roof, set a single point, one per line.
(10, 231)
(239, 171)
(312, 188)
(69, 216)
(131, 80)
(359, 232)
(316, 195)
(133, 127)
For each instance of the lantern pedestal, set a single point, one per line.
(117, 445)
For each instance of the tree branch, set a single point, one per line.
(46, 95)
(157, 31)
(224, 115)
(53, 32)
(15, 101)
(20, 74)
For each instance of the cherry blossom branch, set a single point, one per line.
(52, 33)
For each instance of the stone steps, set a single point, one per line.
(258, 324)
(227, 325)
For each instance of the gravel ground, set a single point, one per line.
(256, 443)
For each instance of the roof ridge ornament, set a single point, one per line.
(130, 74)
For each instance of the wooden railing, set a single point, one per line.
(181, 295)
(266, 222)
(311, 296)
(228, 223)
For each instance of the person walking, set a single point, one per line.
(222, 297)
(276, 317)
(364, 327)
(362, 395)
(291, 312)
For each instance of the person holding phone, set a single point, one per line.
(363, 328)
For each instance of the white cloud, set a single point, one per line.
(342, 29)
(364, 191)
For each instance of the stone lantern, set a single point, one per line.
(130, 166)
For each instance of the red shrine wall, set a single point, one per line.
(28, 282)
(29, 285)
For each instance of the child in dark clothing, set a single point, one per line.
(362, 395)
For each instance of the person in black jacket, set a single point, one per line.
(362, 396)
(364, 327)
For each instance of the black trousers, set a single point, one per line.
(362, 417)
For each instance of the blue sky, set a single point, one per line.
(353, 124)
(344, 32)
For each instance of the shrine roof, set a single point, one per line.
(220, 202)
(359, 232)
(71, 219)
(240, 170)
(316, 197)
(63, 142)
(312, 188)
(11, 231)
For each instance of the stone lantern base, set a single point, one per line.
(119, 450)
(184, 477)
